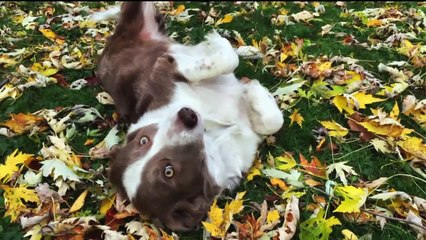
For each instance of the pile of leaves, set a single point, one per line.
(349, 162)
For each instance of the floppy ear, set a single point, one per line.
(140, 19)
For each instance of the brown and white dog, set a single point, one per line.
(194, 127)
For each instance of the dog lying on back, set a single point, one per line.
(194, 127)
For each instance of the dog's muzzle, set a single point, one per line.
(188, 117)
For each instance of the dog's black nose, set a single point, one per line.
(188, 117)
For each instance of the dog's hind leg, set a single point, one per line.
(265, 116)
(211, 58)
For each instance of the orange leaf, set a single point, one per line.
(315, 167)
(278, 182)
(374, 23)
(20, 123)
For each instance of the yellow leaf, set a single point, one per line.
(46, 71)
(349, 235)
(364, 99)
(20, 123)
(272, 216)
(335, 129)
(255, 170)
(8, 90)
(226, 19)
(106, 204)
(395, 111)
(283, 57)
(78, 204)
(381, 145)
(178, 10)
(288, 161)
(236, 205)
(384, 130)
(48, 33)
(296, 117)
(374, 23)
(354, 199)
(413, 146)
(354, 76)
(13, 200)
(11, 165)
(407, 48)
(324, 66)
(342, 104)
(220, 219)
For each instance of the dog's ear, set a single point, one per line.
(141, 20)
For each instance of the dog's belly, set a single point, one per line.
(218, 100)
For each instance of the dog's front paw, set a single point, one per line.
(265, 115)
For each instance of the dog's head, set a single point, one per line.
(163, 170)
(162, 167)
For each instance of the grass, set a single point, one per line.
(365, 160)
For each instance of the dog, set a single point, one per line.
(194, 128)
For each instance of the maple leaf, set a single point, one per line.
(293, 178)
(358, 100)
(315, 167)
(354, 199)
(21, 123)
(13, 200)
(220, 219)
(296, 117)
(381, 145)
(318, 227)
(285, 161)
(11, 164)
(340, 169)
(413, 146)
(59, 169)
(335, 129)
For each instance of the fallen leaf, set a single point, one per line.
(296, 117)
(59, 169)
(318, 227)
(13, 200)
(11, 163)
(79, 202)
(354, 199)
(285, 162)
(340, 169)
(291, 219)
(21, 123)
(349, 235)
(315, 167)
(335, 129)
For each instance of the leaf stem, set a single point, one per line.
(393, 218)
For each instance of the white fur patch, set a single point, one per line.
(211, 58)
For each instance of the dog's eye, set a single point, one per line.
(169, 171)
(144, 140)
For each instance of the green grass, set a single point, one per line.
(365, 160)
